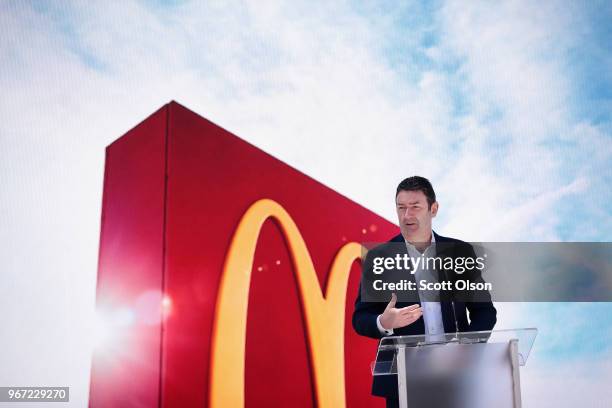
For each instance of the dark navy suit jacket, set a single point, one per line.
(482, 316)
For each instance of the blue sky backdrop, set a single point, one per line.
(505, 106)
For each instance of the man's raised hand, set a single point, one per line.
(393, 318)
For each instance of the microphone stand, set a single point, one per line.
(452, 305)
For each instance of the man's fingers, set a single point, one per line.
(409, 309)
(409, 317)
(405, 321)
(391, 304)
(412, 315)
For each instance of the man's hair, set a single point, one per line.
(418, 183)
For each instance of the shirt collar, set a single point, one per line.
(433, 241)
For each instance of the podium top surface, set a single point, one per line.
(388, 346)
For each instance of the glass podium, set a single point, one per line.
(465, 369)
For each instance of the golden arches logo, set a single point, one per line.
(324, 314)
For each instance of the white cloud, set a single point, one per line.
(584, 383)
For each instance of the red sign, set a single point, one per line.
(226, 277)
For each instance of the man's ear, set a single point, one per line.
(434, 209)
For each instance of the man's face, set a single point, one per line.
(414, 215)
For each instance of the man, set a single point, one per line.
(416, 206)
